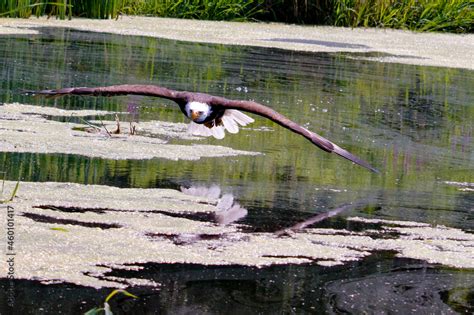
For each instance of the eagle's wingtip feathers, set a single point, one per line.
(349, 156)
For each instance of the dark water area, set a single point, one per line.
(415, 124)
(377, 285)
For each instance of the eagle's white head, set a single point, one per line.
(197, 111)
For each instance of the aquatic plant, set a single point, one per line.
(14, 191)
(106, 309)
(12, 195)
(59, 229)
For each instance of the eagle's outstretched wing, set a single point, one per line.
(182, 97)
(113, 90)
(267, 112)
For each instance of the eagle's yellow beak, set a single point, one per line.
(195, 115)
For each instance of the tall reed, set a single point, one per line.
(196, 9)
(27, 8)
(422, 15)
(98, 9)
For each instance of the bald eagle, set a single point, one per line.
(211, 115)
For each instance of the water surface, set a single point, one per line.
(413, 123)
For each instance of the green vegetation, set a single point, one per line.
(191, 9)
(4, 200)
(13, 194)
(106, 309)
(421, 15)
(27, 8)
(196, 9)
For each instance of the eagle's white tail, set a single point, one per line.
(201, 130)
(230, 121)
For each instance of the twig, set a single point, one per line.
(117, 120)
(132, 129)
(103, 125)
(88, 123)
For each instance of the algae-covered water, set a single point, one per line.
(413, 123)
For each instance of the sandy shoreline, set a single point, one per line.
(429, 49)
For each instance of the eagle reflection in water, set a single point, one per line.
(227, 210)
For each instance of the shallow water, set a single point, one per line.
(413, 123)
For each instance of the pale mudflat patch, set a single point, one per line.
(77, 233)
(24, 129)
(18, 111)
(462, 186)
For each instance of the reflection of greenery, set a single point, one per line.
(412, 122)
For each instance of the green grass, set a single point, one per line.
(27, 8)
(98, 9)
(420, 15)
(103, 9)
(196, 9)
